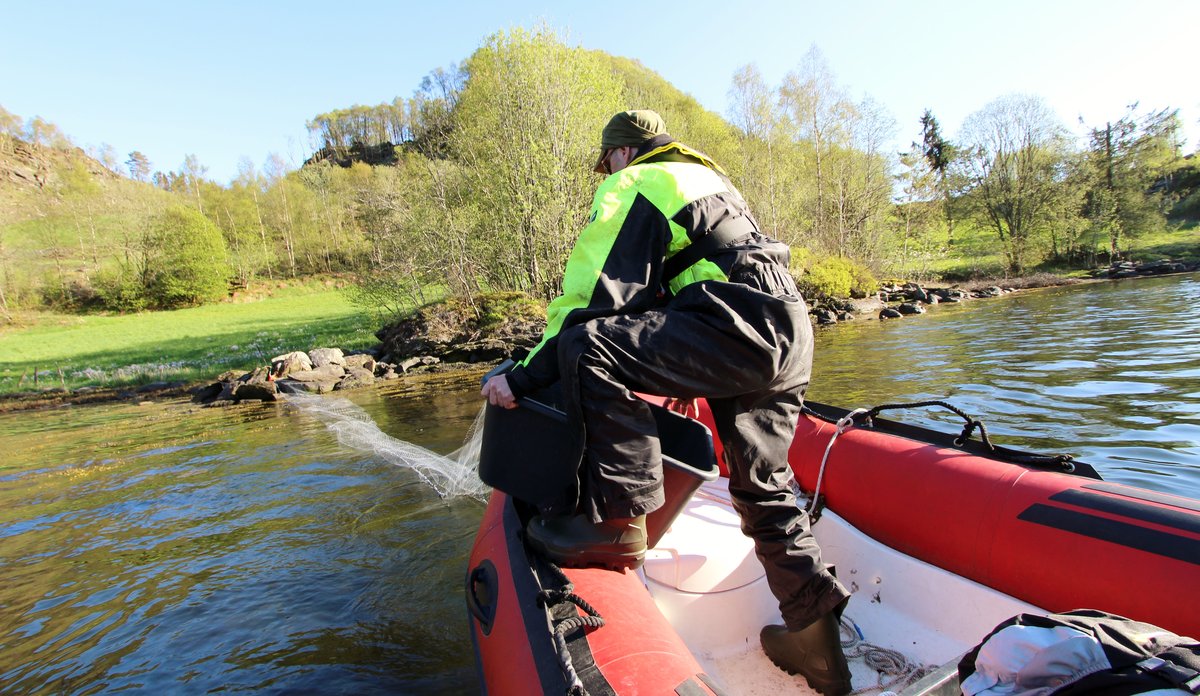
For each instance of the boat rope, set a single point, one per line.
(1061, 462)
(817, 503)
(553, 598)
(885, 661)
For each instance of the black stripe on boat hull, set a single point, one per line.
(1176, 519)
(1150, 496)
(1153, 541)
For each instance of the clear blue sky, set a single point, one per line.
(226, 80)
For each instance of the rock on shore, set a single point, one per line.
(318, 371)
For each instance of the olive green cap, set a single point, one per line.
(632, 128)
(629, 129)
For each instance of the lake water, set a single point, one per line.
(320, 546)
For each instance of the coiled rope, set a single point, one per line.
(885, 661)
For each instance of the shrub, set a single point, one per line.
(120, 291)
(837, 276)
(184, 259)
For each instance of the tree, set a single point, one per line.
(193, 173)
(939, 154)
(139, 166)
(1014, 150)
(526, 132)
(916, 211)
(10, 129)
(816, 111)
(431, 111)
(1128, 162)
(184, 259)
(762, 144)
(41, 132)
(838, 177)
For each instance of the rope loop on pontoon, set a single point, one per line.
(1060, 462)
(843, 424)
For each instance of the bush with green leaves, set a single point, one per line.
(185, 260)
(837, 276)
(120, 290)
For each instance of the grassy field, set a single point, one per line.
(977, 252)
(189, 344)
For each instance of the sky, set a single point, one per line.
(227, 81)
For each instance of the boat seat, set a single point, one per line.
(705, 550)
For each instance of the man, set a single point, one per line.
(672, 289)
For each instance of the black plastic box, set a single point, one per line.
(527, 452)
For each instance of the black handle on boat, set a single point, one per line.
(1061, 462)
(482, 580)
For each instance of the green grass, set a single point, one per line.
(977, 253)
(1179, 243)
(186, 344)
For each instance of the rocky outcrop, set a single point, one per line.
(1134, 269)
(230, 388)
(319, 371)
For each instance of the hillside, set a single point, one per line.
(25, 165)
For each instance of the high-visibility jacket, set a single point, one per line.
(625, 260)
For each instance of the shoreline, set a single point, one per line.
(160, 391)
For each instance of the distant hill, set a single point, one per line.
(25, 165)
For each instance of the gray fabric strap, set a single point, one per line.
(727, 233)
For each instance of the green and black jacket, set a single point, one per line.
(668, 220)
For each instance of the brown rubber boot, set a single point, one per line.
(577, 542)
(814, 652)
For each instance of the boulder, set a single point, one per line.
(261, 391)
(260, 375)
(294, 386)
(326, 356)
(282, 365)
(205, 394)
(916, 294)
(356, 377)
(325, 373)
(845, 316)
(911, 308)
(889, 313)
(366, 362)
(825, 316)
(228, 389)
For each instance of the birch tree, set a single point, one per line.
(1014, 151)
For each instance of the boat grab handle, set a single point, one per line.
(482, 578)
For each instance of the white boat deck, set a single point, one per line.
(710, 586)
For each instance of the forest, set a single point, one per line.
(481, 180)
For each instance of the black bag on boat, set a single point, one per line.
(1079, 652)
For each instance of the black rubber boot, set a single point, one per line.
(814, 652)
(577, 542)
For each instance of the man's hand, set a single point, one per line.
(498, 393)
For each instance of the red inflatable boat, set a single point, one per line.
(939, 539)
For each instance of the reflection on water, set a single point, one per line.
(170, 549)
(1109, 372)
